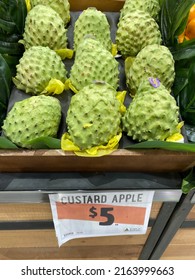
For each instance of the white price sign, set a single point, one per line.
(87, 214)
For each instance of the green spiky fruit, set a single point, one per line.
(36, 116)
(135, 31)
(150, 6)
(44, 27)
(92, 22)
(93, 116)
(36, 68)
(93, 62)
(152, 61)
(62, 7)
(153, 114)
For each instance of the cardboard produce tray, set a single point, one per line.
(53, 160)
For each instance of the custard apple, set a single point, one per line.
(44, 27)
(62, 7)
(93, 117)
(153, 114)
(152, 61)
(36, 116)
(150, 6)
(93, 62)
(36, 68)
(95, 23)
(135, 31)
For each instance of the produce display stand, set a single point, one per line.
(131, 160)
(28, 176)
(177, 238)
(26, 225)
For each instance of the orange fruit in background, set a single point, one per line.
(191, 13)
(190, 29)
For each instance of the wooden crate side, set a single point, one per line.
(106, 5)
(120, 160)
(42, 244)
(12, 212)
(182, 247)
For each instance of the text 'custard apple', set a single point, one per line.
(62, 7)
(44, 27)
(93, 116)
(135, 31)
(92, 22)
(150, 6)
(93, 62)
(36, 68)
(36, 116)
(153, 114)
(152, 61)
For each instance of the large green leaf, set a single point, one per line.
(173, 146)
(12, 16)
(19, 17)
(12, 61)
(12, 21)
(6, 143)
(37, 143)
(5, 82)
(187, 97)
(45, 143)
(11, 48)
(189, 182)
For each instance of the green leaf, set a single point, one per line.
(188, 182)
(18, 17)
(181, 80)
(6, 143)
(173, 146)
(184, 51)
(5, 81)
(12, 61)
(11, 48)
(187, 98)
(45, 143)
(8, 26)
(5, 88)
(10, 38)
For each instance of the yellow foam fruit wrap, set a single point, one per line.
(102, 150)
(69, 85)
(114, 50)
(65, 53)
(28, 5)
(54, 86)
(97, 151)
(177, 137)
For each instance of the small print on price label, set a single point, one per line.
(87, 214)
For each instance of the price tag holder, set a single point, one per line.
(87, 214)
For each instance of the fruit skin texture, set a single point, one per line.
(93, 117)
(152, 115)
(44, 27)
(36, 116)
(152, 61)
(135, 31)
(62, 7)
(36, 68)
(92, 22)
(150, 6)
(93, 62)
